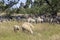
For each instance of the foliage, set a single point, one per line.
(40, 6)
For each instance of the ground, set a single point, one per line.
(42, 31)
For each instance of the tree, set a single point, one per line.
(54, 6)
(40, 7)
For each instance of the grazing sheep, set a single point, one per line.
(39, 20)
(31, 20)
(16, 28)
(28, 27)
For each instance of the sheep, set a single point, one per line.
(16, 28)
(28, 27)
(39, 19)
(31, 20)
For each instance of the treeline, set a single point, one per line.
(51, 7)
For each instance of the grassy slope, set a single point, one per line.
(42, 31)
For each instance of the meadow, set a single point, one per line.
(42, 31)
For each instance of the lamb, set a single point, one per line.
(16, 28)
(28, 27)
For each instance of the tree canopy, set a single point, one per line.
(39, 7)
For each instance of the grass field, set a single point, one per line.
(42, 31)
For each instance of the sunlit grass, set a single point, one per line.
(42, 31)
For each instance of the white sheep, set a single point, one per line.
(31, 20)
(27, 26)
(39, 19)
(16, 28)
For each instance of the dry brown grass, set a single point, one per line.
(42, 31)
(55, 37)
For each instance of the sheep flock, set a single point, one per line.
(26, 26)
